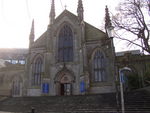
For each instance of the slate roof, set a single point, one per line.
(93, 33)
(41, 41)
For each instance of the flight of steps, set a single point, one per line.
(135, 102)
(105, 103)
(3, 98)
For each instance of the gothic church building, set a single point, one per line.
(71, 57)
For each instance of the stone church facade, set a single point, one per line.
(71, 57)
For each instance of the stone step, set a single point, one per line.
(102, 103)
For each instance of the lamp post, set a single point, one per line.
(110, 34)
(110, 31)
(121, 76)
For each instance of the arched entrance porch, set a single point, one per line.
(64, 82)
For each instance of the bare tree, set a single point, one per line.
(133, 17)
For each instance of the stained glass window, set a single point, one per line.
(99, 67)
(65, 44)
(37, 71)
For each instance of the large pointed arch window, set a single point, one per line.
(65, 44)
(37, 71)
(98, 65)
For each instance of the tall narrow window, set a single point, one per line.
(37, 71)
(16, 88)
(99, 67)
(65, 45)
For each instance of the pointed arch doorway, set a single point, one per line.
(64, 83)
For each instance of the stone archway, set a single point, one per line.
(65, 85)
(64, 82)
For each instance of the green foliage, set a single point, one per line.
(117, 83)
(147, 78)
(133, 81)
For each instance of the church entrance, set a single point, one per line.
(65, 89)
(64, 83)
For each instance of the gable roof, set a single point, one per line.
(68, 14)
(41, 41)
(91, 32)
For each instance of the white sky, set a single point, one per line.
(16, 17)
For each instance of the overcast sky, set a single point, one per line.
(16, 17)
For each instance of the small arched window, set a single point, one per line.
(98, 67)
(65, 44)
(37, 72)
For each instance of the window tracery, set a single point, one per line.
(99, 67)
(65, 44)
(37, 71)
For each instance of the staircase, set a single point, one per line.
(135, 102)
(61, 104)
